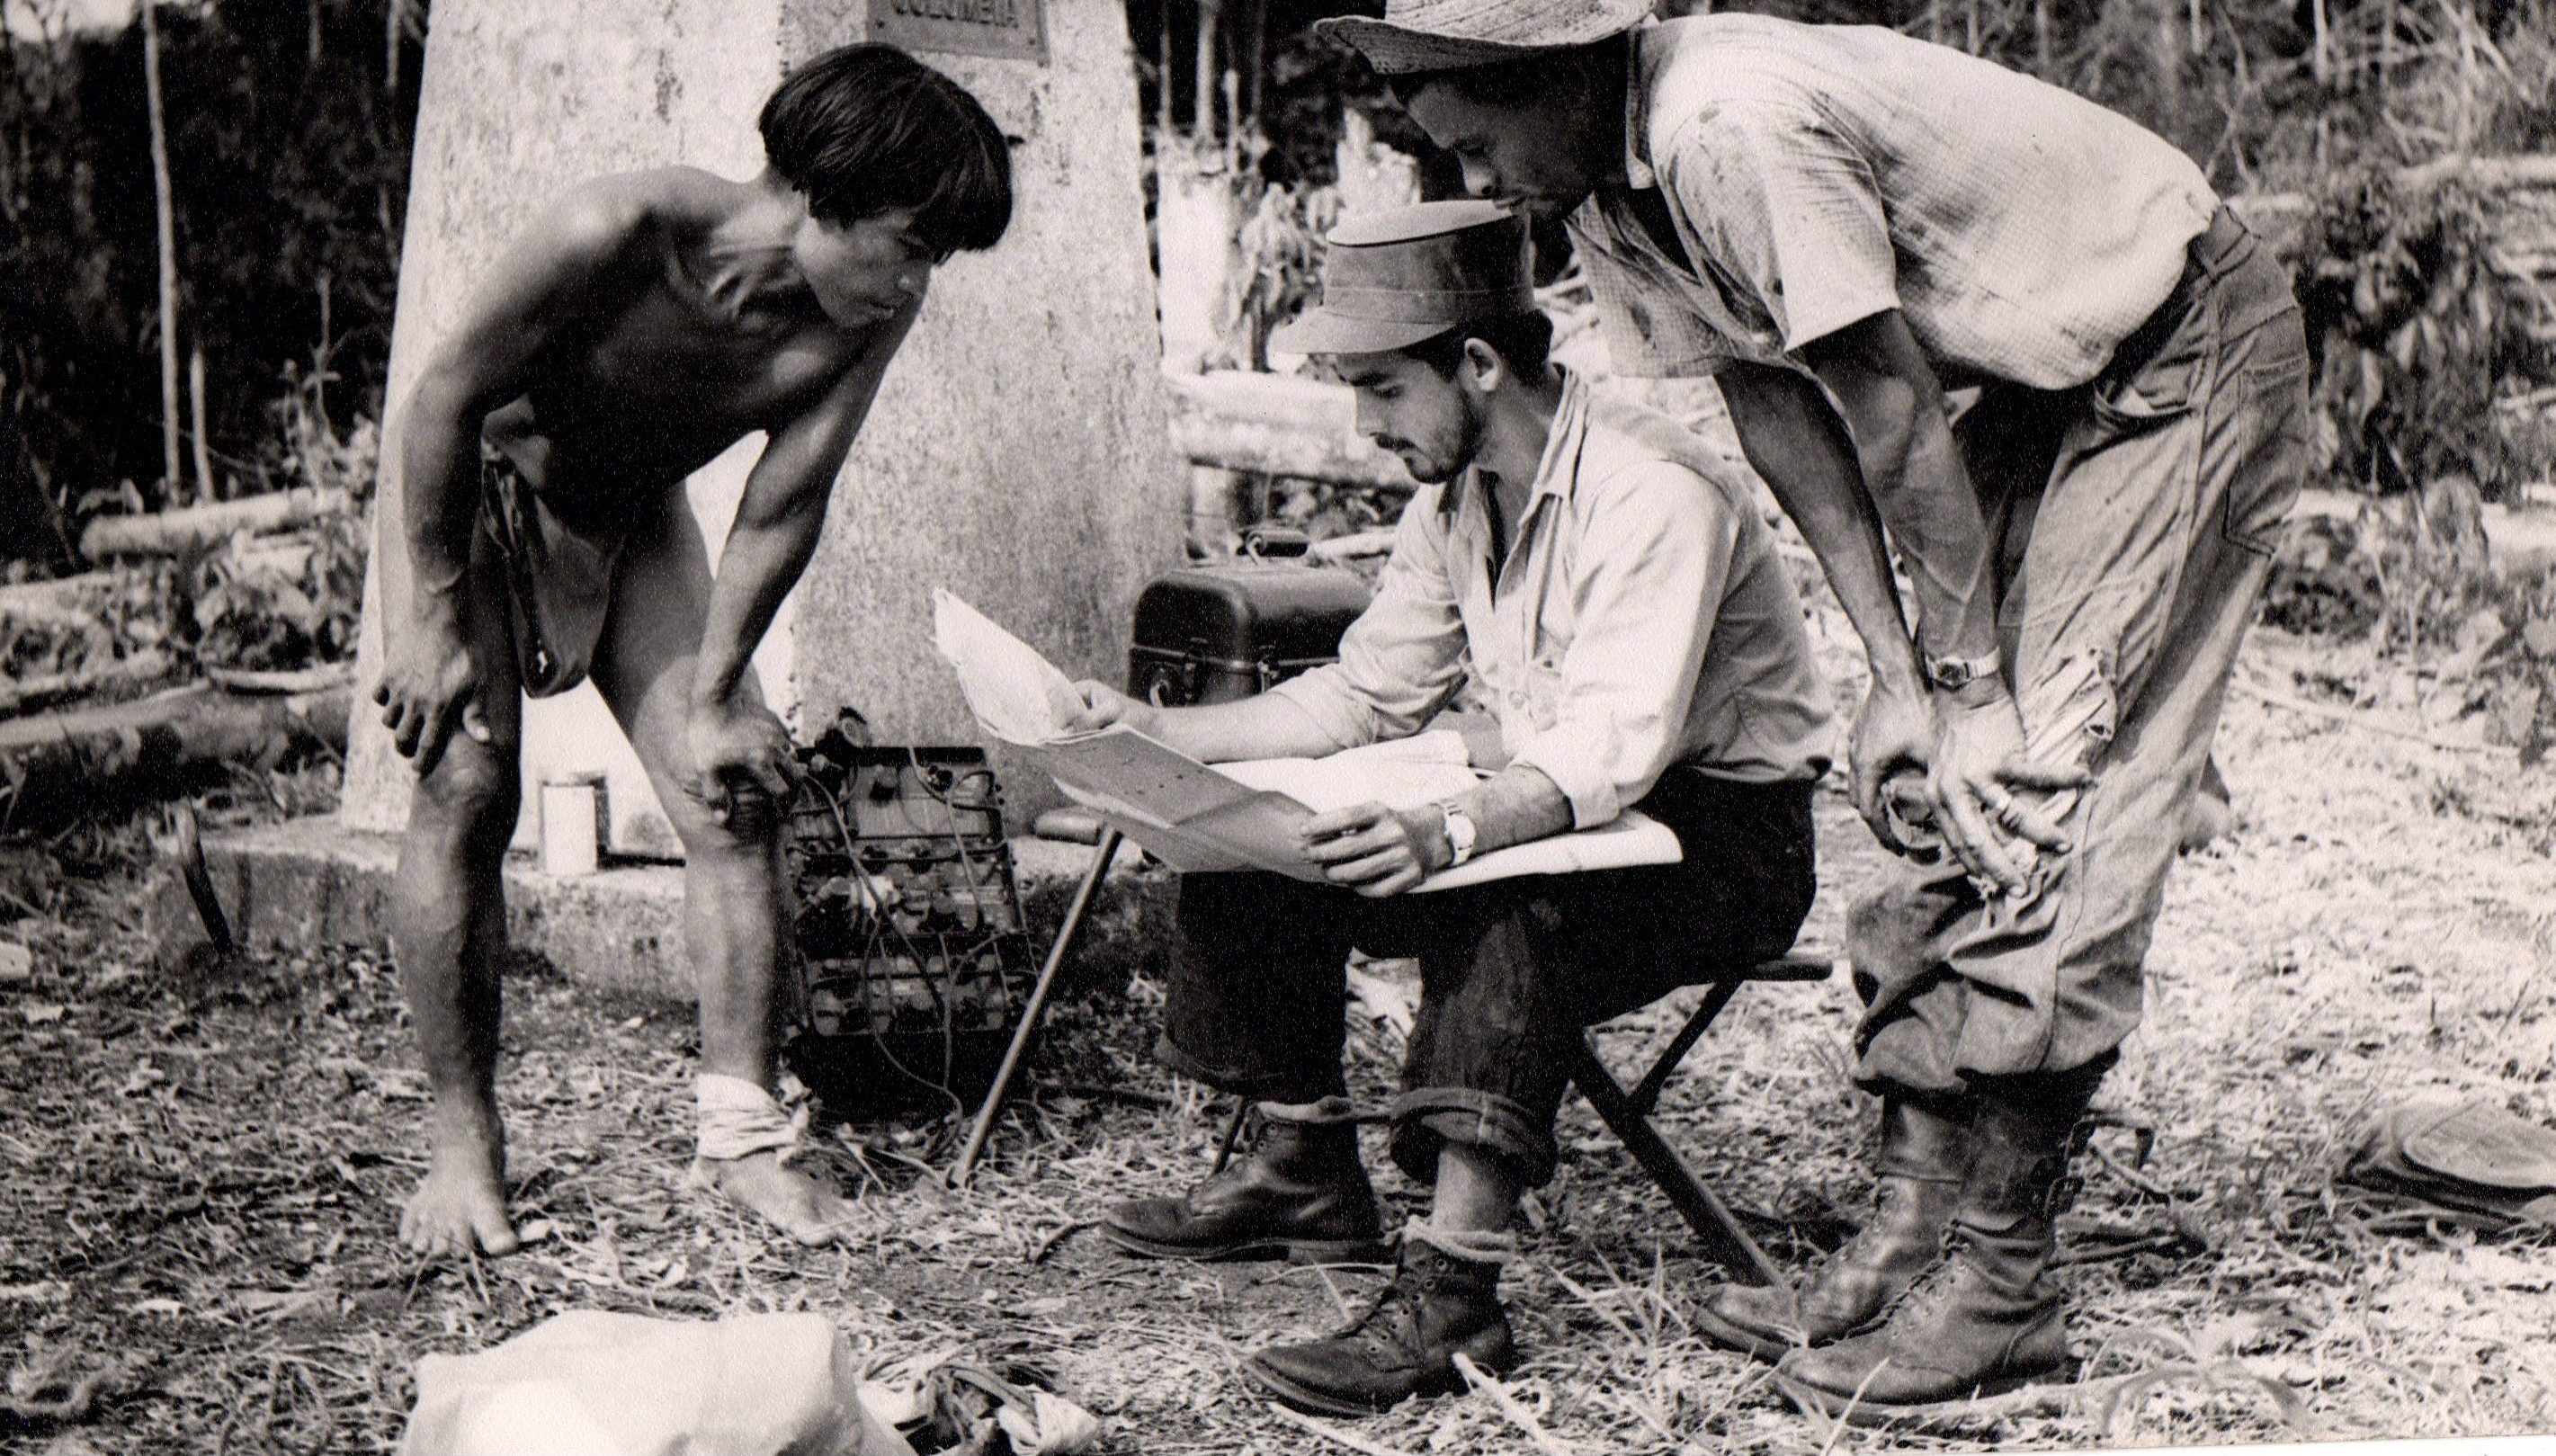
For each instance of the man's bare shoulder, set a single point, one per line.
(610, 215)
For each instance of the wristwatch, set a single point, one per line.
(1459, 830)
(1953, 673)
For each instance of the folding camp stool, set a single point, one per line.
(1628, 1114)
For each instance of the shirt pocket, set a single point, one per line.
(1533, 687)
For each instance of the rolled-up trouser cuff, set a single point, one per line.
(1427, 1119)
(1311, 1083)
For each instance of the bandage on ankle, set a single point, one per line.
(738, 1118)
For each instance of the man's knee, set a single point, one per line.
(474, 795)
(749, 827)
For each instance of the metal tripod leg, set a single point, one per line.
(1036, 1012)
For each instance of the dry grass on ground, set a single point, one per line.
(199, 1176)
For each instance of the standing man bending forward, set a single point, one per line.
(1839, 224)
(634, 332)
(1609, 590)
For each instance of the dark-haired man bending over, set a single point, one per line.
(636, 330)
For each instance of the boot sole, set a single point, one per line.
(1866, 1413)
(1294, 1251)
(1297, 1397)
(1743, 1339)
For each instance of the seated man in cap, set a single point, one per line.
(1839, 224)
(1608, 588)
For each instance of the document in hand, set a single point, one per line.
(1245, 815)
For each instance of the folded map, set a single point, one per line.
(1245, 815)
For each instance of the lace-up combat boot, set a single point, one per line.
(1300, 1194)
(1406, 1343)
(1988, 1316)
(1922, 1157)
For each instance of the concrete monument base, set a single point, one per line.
(310, 882)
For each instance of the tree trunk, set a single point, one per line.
(195, 421)
(1202, 117)
(1163, 77)
(60, 765)
(28, 694)
(394, 18)
(166, 207)
(170, 532)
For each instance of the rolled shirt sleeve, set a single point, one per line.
(1793, 208)
(1646, 585)
(1404, 657)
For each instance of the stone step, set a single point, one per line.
(313, 883)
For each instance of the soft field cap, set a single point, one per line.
(1399, 275)
(1449, 35)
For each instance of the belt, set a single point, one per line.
(2218, 249)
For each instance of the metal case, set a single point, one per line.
(1212, 635)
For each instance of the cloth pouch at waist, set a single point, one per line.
(559, 575)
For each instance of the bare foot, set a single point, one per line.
(802, 1206)
(461, 1201)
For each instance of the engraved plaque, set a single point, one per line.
(1012, 29)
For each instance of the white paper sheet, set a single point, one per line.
(1245, 815)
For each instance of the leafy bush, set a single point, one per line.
(2415, 319)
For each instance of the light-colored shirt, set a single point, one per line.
(1640, 620)
(1820, 175)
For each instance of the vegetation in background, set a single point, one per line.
(289, 126)
(2416, 318)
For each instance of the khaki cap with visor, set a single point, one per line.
(1397, 276)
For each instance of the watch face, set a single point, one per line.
(1955, 673)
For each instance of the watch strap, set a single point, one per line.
(1952, 674)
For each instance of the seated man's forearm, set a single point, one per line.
(1259, 726)
(1515, 806)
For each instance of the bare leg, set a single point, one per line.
(449, 933)
(733, 885)
(1478, 1191)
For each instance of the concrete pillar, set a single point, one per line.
(1017, 450)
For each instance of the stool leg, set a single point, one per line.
(1036, 1012)
(1232, 1135)
(1723, 1239)
(1647, 1096)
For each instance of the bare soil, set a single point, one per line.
(201, 1169)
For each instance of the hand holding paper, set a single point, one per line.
(1016, 694)
(1247, 815)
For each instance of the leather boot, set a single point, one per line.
(1924, 1152)
(1405, 1345)
(1300, 1194)
(1988, 1316)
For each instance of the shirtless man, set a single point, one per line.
(631, 334)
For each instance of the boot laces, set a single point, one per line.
(1890, 1193)
(1391, 1321)
(1930, 1287)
